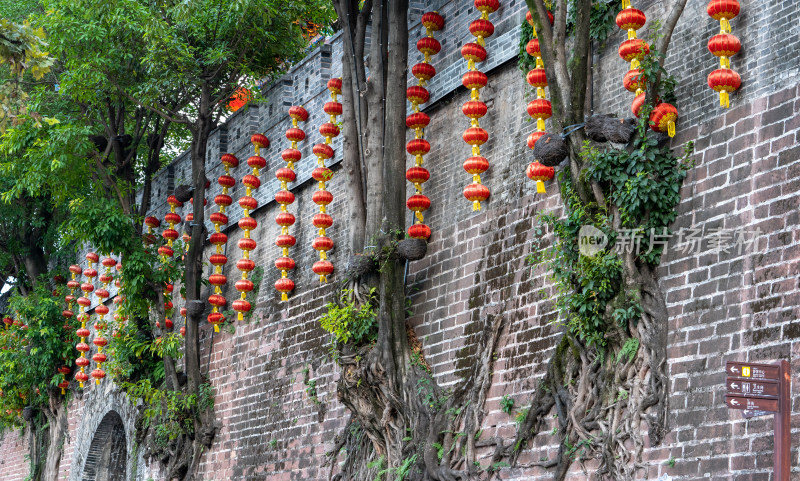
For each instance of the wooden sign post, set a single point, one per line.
(760, 389)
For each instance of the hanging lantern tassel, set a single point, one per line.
(417, 121)
(323, 267)
(284, 197)
(475, 109)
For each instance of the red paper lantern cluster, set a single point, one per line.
(724, 45)
(540, 109)
(87, 287)
(418, 147)
(100, 324)
(170, 234)
(64, 384)
(219, 239)
(475, 80)
(664, 115)
(284, 197)
(323, 267)
(247, 223)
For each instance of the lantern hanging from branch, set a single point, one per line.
(285, 219)
(247, 223)
(417, 121)
(323, 267)
(151, 223)
(474, 109)
(724, 45)
(64, 384)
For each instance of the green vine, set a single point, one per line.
(643, 185)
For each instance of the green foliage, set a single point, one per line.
(643, 184)
(169, 413)
(521, 415)
(629, 350)
(525, 62)
(507, 403)
(32, 351)
(349, 324)
(22, 52)
(602, 20)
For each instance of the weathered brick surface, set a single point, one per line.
(723, 305)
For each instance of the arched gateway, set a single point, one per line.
(107, 456)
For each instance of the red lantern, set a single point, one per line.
(631, 19)
(423, 71)
(476, 193)
(529, 18)
(259, 141)
(418, 120)
(724, 81)
(417, 94)
(298, 113)
(332, 108)
(418, 147)
(474, 80)
(429, 46)
(724, 45)
(473, 53)
(540, 173)
(637, 104)
(216, 318)
(418, 203)
(724, 11)
(323, 151)
(432, 21)
(634, 81)
(663, 118)
(417, 175)
(476, 165)
(322, 268)
(284, 286)
(474, 109)
(481, 28)
(633, 51)
(533, 137)
(541, 110)
(286, 175)
(419, 231)
(475, 136)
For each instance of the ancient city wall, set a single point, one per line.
(734, 305)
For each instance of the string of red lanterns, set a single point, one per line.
(540, 109)
(219, 239)
(73, 284)
(84, 302)
(170, 234)
(724, 45)
(474, 109)
(247, 223)
(284, 197)
(633, 50)
(100, 324)
(322, 243)
(418, 147)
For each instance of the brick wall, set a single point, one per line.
(723, 305)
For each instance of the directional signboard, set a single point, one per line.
(758, 389)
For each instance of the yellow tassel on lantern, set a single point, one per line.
(671, 129)
(216, 328)
(63, 391)
(724, 62)
(724, 25)
(540, 124)
(540, 187)
(631, 34)
(724, 100)
(626, 3)
(476, 205)
(635, 64)
(540, 92)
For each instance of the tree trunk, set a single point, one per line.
(57, 419)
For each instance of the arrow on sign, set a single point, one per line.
(734, 402)
(734, 385)
(733, 369)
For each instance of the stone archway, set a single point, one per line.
(105, 441)
(108, 455)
